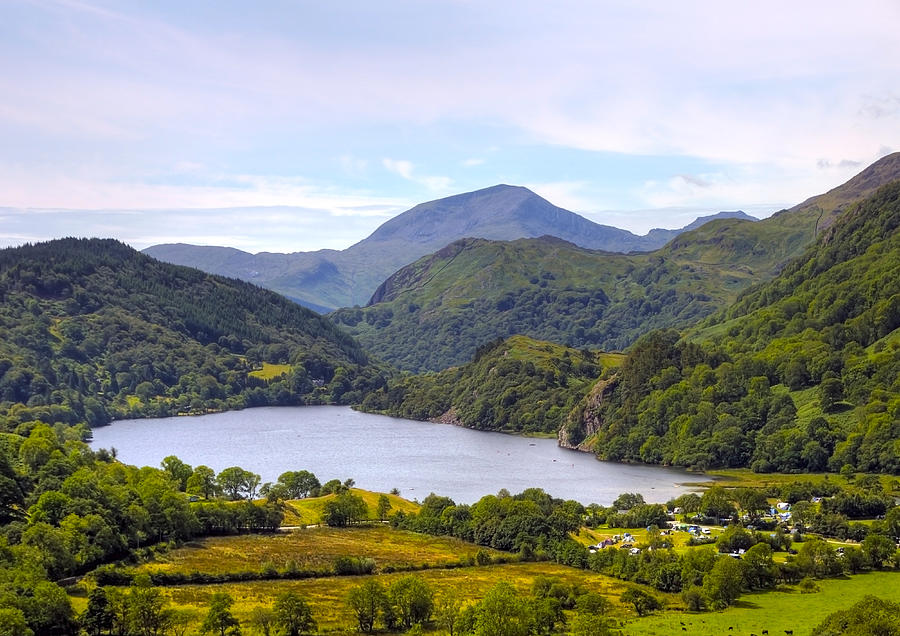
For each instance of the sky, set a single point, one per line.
(292, 126)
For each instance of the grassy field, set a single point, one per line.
(744, 477)
(270, 371)
(313, 548)
(772, 611)
(327, 596)
(304, 512)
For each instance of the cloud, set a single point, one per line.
(692, 180)
(150, 105)
(254, 229)
(825, 164)
(400, 167)
(880, 106)
(353, 166)
(723, 191)
(405, 169)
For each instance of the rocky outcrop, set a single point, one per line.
(584, 420)
(450, 417)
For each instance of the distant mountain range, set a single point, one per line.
(435, 312)
(328, 279)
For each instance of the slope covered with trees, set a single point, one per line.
(801, 373)
(518, 385)
(91, 330)
(437, 311)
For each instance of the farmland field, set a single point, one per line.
(327, 596)
(313, 548)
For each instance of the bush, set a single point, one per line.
(808, 585)
(344, 566)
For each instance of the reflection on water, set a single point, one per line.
(381, 453)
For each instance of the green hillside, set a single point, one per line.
(801, 373)
(437, 311)
(519, 385)
(91, 330)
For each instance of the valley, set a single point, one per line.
(766, 352)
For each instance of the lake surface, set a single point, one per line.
(381, 453)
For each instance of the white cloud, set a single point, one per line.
(353, 166)
(405, 169)
(399, 166)
(101, 95)
(254, 229)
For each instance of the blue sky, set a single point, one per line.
(286, 126)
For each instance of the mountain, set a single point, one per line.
(92, 330)
(327, 279)
(661, 236)
(435, 312)
(800, 374)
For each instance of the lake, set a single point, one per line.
(381, 453)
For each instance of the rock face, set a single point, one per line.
(450, 417)
(583, 421)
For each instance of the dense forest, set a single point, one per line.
(801, 373)
(518, 385)
(91, 330)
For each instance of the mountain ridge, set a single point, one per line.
(328, 279)
(436, 311)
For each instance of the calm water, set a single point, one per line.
(381, 453)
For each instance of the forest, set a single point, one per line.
(799, 375)
(516, 385)
(91, 331)
(728, 394)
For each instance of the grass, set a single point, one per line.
(773, 611)
(314, 548)
(270, 371)
(304, 512)
(327, 596)
(746, 478)
(608, 359)
(809, 408)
